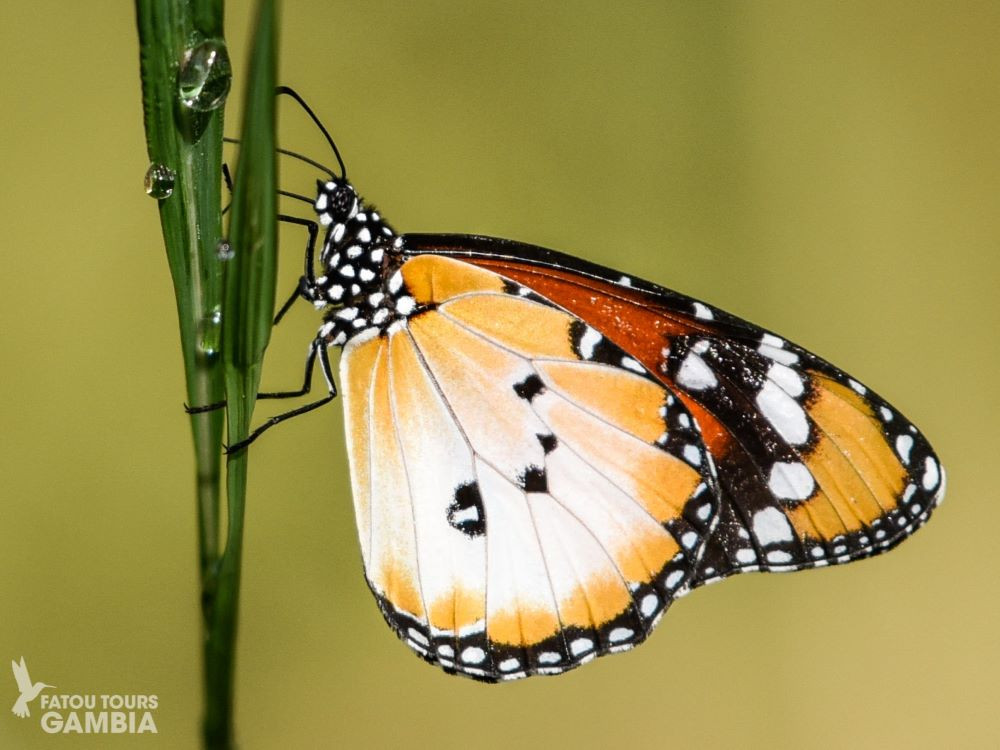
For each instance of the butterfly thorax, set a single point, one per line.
(359, 286)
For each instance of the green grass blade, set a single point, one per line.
(246, 326)
(189, 144)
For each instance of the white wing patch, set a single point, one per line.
(517, 517)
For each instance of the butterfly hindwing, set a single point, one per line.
(814, 467)
(528, 495)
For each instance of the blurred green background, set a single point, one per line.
(828, 170)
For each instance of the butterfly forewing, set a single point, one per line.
(528, 494)
(814, 467)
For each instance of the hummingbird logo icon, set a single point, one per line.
(29, 691)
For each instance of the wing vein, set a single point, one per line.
(409, 490)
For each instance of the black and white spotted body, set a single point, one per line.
(360, 287)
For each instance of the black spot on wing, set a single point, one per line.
(530, 387)
(533, 480)
(548, 442)
(466, 510)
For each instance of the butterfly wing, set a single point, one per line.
(815, 468)
(522, 507)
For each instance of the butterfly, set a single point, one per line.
(546, 453)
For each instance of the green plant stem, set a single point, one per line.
(246, 327)
(190, 144)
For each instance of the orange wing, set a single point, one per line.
(815, 468)
(521, 508)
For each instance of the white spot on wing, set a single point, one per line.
(778, 355)
(787, 378)
(649, 604)
(588, 341)
(770, 527)
(417, 636)
(672, 580)
(620, 634)
(702, 311)
(904, 444)
(470, 513)
(695, 375)
(632, 365)
(931, 474)
(783, 412)
(778, 556)
(791, 481)
(692, 454)
(473, 655)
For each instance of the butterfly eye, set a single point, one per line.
(336, 202)
(343, 202)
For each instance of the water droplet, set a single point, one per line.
(223, 250)
(210, 334)
(204, 76)
(159, 181)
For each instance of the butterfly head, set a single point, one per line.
(336, 202)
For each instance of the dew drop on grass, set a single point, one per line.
(204, 76)
(210, 334)
(159, 181)
(223, 250)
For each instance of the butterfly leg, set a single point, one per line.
(300, 291)
(308, 279)
(317, 349)
(311, 227)
(314, 350)
(205, 408)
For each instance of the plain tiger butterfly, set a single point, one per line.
(545, 453)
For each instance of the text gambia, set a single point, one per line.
(98, 714)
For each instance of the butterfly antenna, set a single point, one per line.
(296, 196)
(292, 154)
(292, 93)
